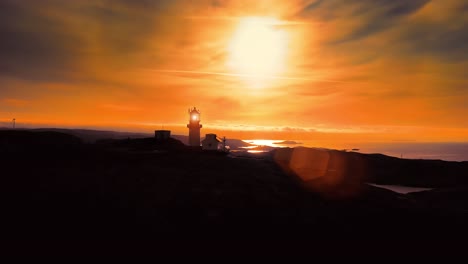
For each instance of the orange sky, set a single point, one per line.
(367, 70)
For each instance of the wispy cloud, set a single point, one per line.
(119, 107)
(15, 102)
(208, 73)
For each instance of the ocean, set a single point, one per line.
(450, 151)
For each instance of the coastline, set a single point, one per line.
(449, 151)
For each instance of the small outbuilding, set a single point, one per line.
(210, 142)
(162, 134)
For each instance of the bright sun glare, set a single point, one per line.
(257, 50)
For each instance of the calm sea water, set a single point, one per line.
(451, 151)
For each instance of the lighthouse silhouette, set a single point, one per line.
(194, 127)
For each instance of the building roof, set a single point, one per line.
(210, 139)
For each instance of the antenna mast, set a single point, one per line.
(14, 123)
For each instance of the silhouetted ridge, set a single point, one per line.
(91, 136)
(17, 140)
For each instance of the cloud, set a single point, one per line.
(33, 45)
(297, 129)
(382, 15)
(444, 38)
(52, 40)
(417, 29)
(120, 107)
(366, 17)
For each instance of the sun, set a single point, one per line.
(257, 50)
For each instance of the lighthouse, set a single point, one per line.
(194, 127)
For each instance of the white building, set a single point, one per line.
(210, 142)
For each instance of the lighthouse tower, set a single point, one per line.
(194, 127)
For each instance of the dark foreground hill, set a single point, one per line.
(102, 192)
(26, 141)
